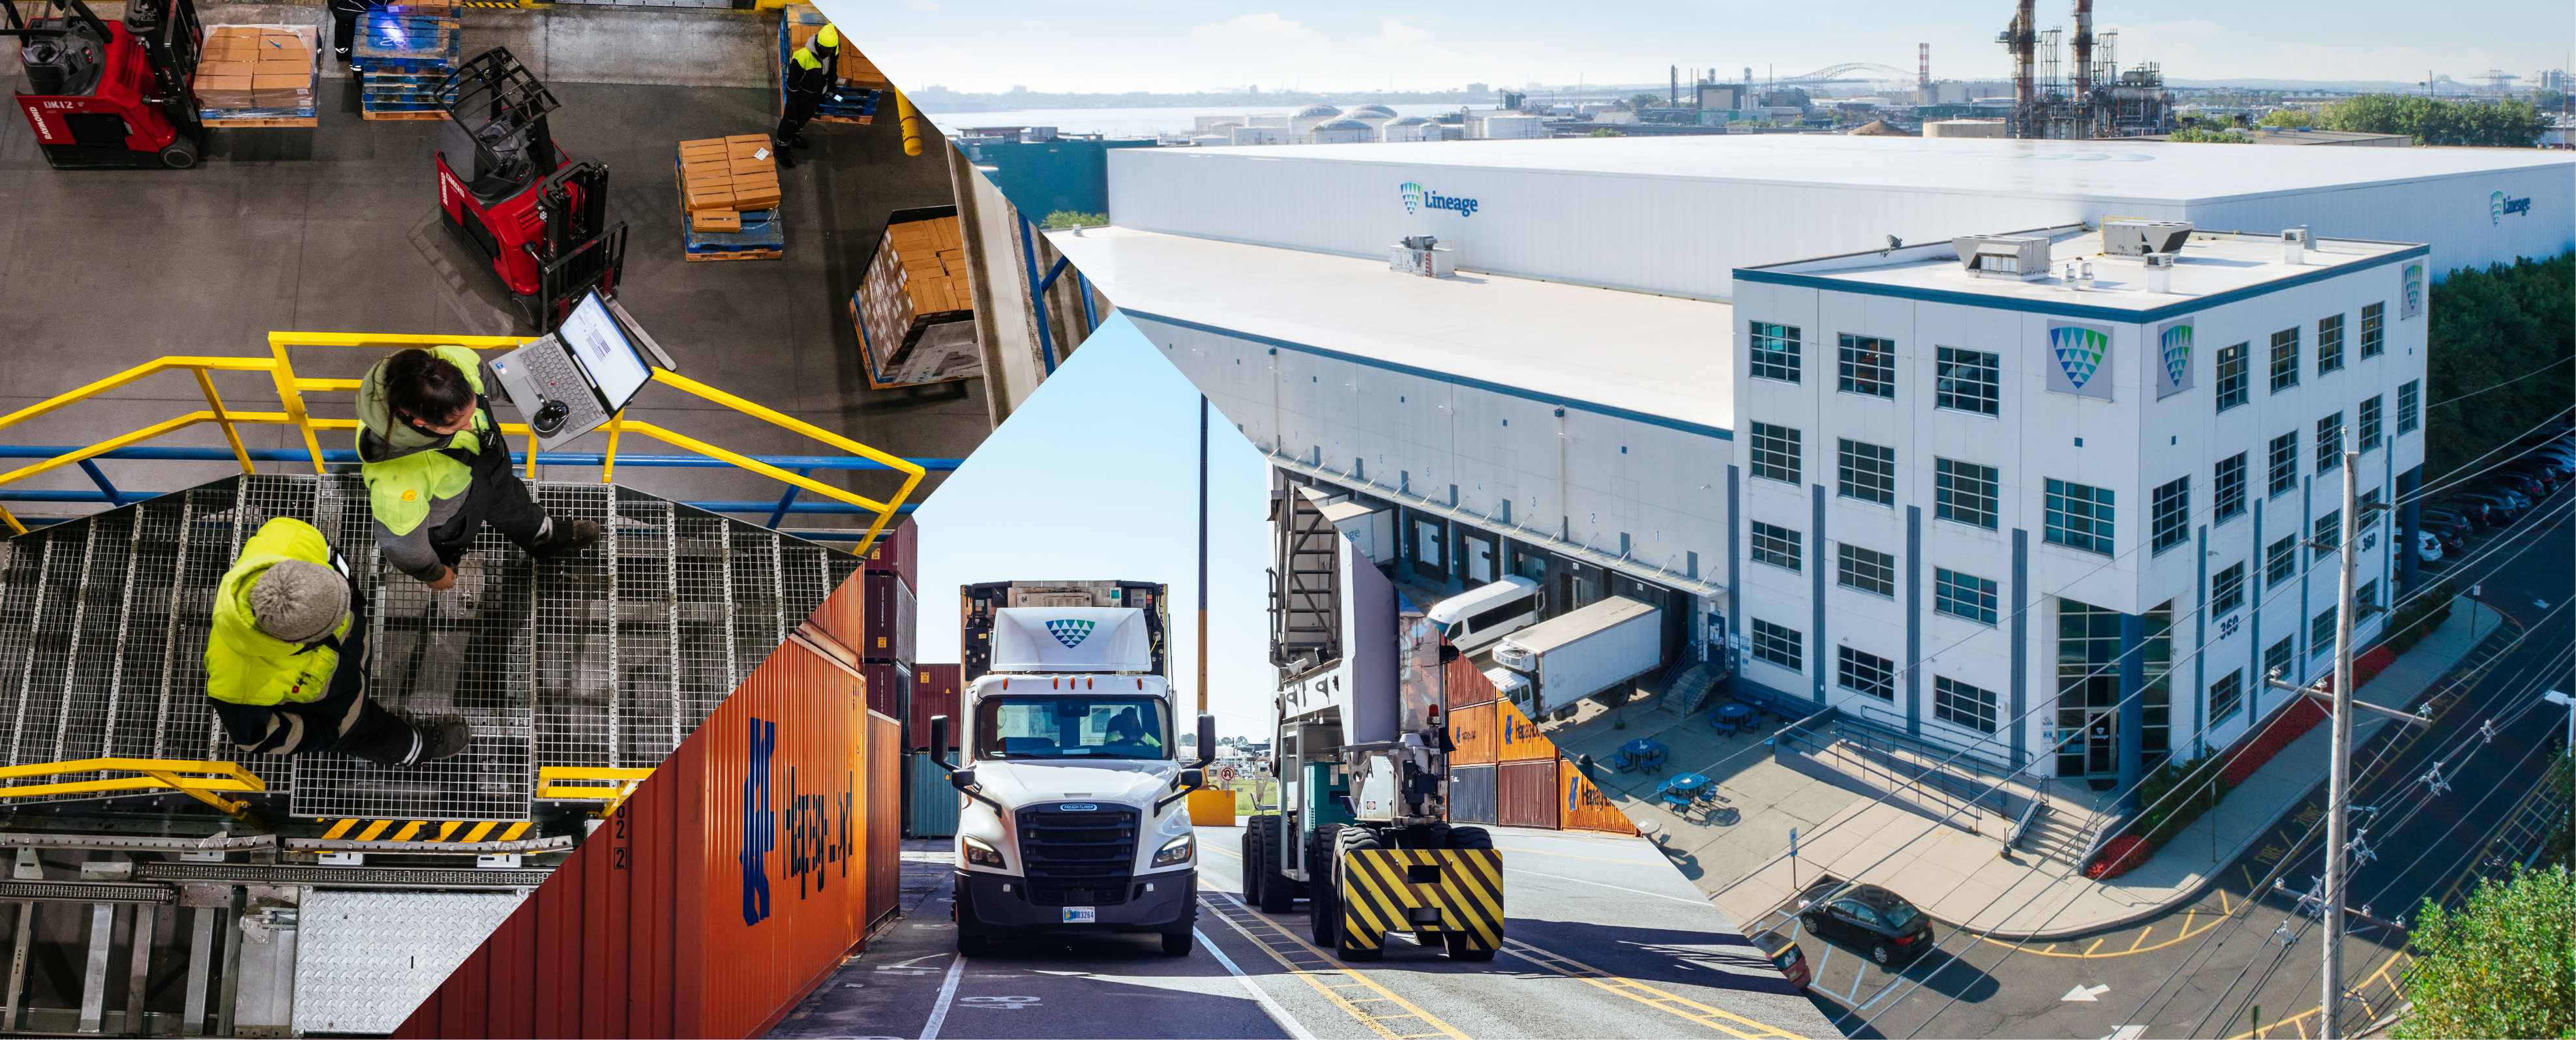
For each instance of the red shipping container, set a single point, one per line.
(888, 635)
(1525, 794)
(732, 883)
(1461, 684)
(936, 690)
(886, 687)
(843, 616)
(898, 552)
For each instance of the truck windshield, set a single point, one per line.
(1070, 727)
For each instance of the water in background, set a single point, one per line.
(1134, 122)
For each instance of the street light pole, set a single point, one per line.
(2339, 774)
(2563, 700)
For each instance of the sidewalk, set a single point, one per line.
(1960, 879)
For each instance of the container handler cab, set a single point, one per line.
(1362, 755)
(536, 216)
(104, 93)
(1074, 817)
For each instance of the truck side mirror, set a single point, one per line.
(1192, 778)
(1207, 738)
(962, 779)
(939, 742)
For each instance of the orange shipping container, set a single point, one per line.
(733, 882)
(1475, 732)
(1585, 808)
(1521, 739)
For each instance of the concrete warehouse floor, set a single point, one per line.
(335, 229)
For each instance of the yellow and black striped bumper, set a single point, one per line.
(423, 830)
(1457, 891)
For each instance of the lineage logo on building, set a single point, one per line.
(2498, 205)
(1418, 198)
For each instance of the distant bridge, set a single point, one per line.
(1876, 73)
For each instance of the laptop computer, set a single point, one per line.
(575, 379)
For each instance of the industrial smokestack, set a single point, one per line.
(2021, 40)
(2084, 67)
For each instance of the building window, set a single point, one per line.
(2169, 515)
(2281, 561)
(2285, 463)
(1868, 366)
(2278, 658)
(1775, 352)
(2229, 486)
(2365, 599)
(2227, 591)
(2407, 395)
(2285, 359)
(2326, 536)
(1867, 673)
(2367, 433)
(1867, 472)
(1970, 381)
(1781, 646)
(2374, 330)
(2079, 517)
(1775, 452)
(1777, 546)
(1963, 596)
(2088, 687)
(1960, 704)
(2321, 632)
(2329, 444)
(2329, 344)
(1964, 492)
(2227, 697)
(1867, 570)
(2233, 385)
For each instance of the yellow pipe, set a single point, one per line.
(777, 418)
(608, 460)
(101, 386)
(283, 374)
(756, 466)
(215, 403)
(14, 526)
(911, 117)
(103, 447)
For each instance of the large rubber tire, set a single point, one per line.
(1350, 840)
(973, 945)
(1251, 849)
(1470, 838)
(180, 154)
(1273, 893)
(1176, 944)
(1459, 950)
(1324, 912)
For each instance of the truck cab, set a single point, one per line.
(1073, 815)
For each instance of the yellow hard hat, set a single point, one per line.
(829, 38)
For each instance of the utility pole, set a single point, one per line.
(2339, 774)
(1203, 556)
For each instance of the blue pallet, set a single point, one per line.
(255, 113)
(760, 231)
(862, 102)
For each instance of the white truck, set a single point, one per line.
(1562, 660)
(1074, 817)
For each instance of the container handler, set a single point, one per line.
(1362, 754)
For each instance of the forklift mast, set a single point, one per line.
(540, 218)
(502, 108)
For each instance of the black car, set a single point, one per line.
(2499, 508)
(1868, 917)
(2452, 513)
(2529, 485)
(2448, 524)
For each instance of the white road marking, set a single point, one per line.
(1260, 996)
(947, 993)
(2085, 994)
(1828, 958)
(1856, 981)
(1639, 891)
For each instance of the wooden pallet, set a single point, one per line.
(736, 254)
(853, 120)
(868, 367)
(280, 121)
(433, 114)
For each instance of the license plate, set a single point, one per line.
(1081, 915)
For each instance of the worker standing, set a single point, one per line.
(812, 72)
(437, 470)
(286, 660)
(344, 27)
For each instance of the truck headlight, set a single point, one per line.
(1176, 850)
(980, 854)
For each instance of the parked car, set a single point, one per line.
(1786, 956)
(2499, 505)
(2428, 547)
(2551, 478)
(2462, 517)
(1868, 917)
(2521, 482)
(2453, 527)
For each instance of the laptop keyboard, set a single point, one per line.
(554, 374)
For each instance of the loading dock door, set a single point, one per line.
(1428, 560)
(1479, 559)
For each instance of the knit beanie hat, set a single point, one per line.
(299, 602)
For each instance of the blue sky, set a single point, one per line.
(1096, 477)
(1328, 45)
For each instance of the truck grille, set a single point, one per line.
(1081, 858)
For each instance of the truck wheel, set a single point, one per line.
(1459, 950)
(179, 154)
(1176, 944)
(1323, 909)
(1252, 863)
(1470, 838)
(972, 945)
(1271, 892)
(1348, 841)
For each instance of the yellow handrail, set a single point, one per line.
(621, 785)
(158, 774)
(291, 391)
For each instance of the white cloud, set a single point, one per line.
(1245, 28)
(923, 6)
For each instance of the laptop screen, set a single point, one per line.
(614, 364)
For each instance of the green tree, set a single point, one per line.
(2503, 965)
(2500, 356)
(2433, 121)
(2198, 135)
(1644, 99)
(1605, 132)
(2290, 117)
(2548, 100)
(1065, 218)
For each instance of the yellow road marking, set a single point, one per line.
(2097, 944)
(1328, 977)
(2188, 932)
(2299, 1021)
(2142, 940)
(1644, 994)
(2222, 902)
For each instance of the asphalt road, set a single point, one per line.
(1604, 939)
(2219, 966)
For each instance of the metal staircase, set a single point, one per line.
(606, 660)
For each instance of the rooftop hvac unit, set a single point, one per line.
(2018, 257)
(1423, 255)
(2160, 272)
(2124, 237)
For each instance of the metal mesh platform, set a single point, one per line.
(609, 659)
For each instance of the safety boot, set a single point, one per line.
(566, 538)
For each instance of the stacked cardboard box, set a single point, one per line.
(264, 67)
(721, 178)
(915, 305)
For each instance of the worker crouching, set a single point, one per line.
(286, 661)
(437, 470)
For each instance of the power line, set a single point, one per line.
(2502, 385)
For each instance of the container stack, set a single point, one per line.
(863, 89)
(887, 656)
(257, 75)
(915, 306)
(405, 53)
(729, 199)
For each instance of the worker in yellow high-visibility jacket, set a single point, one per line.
(437, 471)
(286, 659)
(813, 72)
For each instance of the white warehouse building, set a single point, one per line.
(1577, 406)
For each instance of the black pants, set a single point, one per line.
(344, 26)
(344, 720)
(497, 497)
(800, 110)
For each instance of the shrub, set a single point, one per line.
(2119, 856)
(2288, 724)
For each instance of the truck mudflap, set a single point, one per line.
(994, 904)
(1455, 892)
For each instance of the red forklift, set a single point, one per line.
(541, 218)
(107, 93)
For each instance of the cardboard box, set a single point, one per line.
(754, 150)
(703, 142)
(719, 180)
(756, 194)
(298, 86)
(225, 92)
(701, 198)
(226, 69)
(747, 139)
(744, 167)
(716, 220)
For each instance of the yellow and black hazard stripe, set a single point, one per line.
(424, 830)
(1454, 891)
